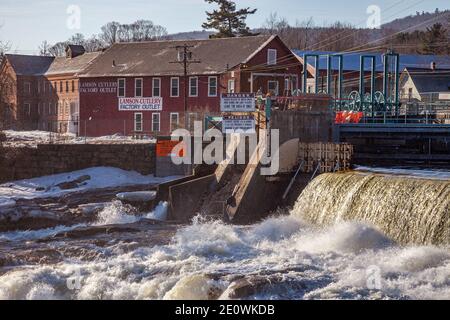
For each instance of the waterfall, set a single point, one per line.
(409, 210)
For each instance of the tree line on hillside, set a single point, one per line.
(112, 32)
(305, 35)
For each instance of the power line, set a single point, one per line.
(186, 60)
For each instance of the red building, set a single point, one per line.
(140, 88)
(41, 93)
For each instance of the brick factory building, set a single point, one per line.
(41, 93)
(139, 88)
(135, 88)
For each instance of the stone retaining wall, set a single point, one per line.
(26, 162)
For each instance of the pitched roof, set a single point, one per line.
(153, 58)
(352, 60)
(29, 65)
(63, 65)
(428, 81)
(26, 65)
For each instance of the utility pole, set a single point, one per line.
(185, 61)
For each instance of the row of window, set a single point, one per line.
(156, 121)
(52, 108)
(42, 86)
(174, 87)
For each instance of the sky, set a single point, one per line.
(26, 23)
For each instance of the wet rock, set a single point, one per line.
(139, 196)
(246, 287)
(74, 183)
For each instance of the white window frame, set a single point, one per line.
(124, 87)
(154, 80)
(231, 88)
(210, 87)
(277, 93)
(272, 53)
(191, 87)
(136, 122)
(172, 87)
(142, 87)
(27, 85)
(153, 121)
(287, 85)
(27, 107)
(178, 119)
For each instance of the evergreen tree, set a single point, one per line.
(228, 21)
(435, 40)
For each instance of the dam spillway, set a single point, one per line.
(410, 210)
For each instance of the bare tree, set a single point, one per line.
(58, 49)
(44, 48)
(110, 33)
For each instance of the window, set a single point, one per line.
(138, 87)
(271, 57)
(121, 85)
(175, 87)
(156, 127)
(273, 87)
(27, 87)
(174, 120)
(55, 85)
(138, 121)
(39, 86)
(49, 108)
(39, 108)
(60, 86)
(156, 87)
(231, 86)
(212, 87)
(287, 86)
(193, 87)
(28, 109)
(73, 86)
(67, 86)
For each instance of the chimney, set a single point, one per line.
(73, 51)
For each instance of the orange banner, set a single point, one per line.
(164, 148)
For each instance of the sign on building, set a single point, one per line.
(141, 104)
(234, 124)
(237, 102)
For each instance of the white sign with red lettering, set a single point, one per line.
(141, 104)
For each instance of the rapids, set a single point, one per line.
(326, 247)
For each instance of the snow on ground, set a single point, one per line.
(101, 177)
(417, 173)
(33, 138)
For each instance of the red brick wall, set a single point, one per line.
(99, 113)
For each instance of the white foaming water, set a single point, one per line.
(37, 234)
(160, 212)
(205, 259)
(116, 213)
